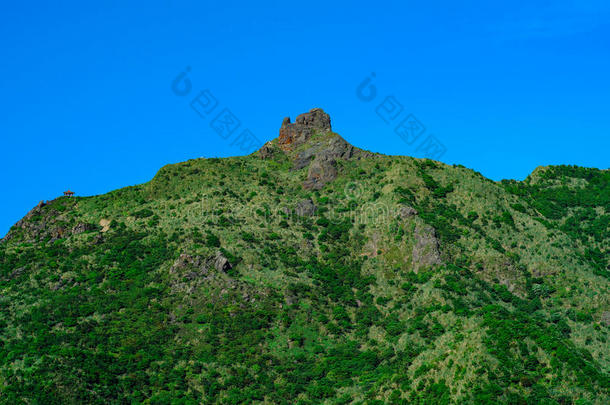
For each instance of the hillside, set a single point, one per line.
(310, 272)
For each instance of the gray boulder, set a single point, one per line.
(221, 263)
(306, 208)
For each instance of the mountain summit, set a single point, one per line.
(312, 272)
(310, 142)
(294, 135)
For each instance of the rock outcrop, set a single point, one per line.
(194, 263)
(292, 135)
(266, 151)
(323, 167)
(189, 273)
(321, 171)
(199, 265)
(407, 212)
(82, 227)
(36, 224)
(310, 143)
(305, 208)
(221, 263)
(425, 250)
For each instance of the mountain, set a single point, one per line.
(310, 272)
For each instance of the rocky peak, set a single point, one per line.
(310, 143)
(292, 135)
(316, 118)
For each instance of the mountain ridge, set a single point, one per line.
(311, 271)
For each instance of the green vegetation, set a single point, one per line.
(204, 286)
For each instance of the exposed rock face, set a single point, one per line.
(292, 135)
(320, 152)
(189, 273)
(25, 223)
(82, 227)
(315, 118)
(321, 171)
(57, 233)
(339, 148)
(306, 208)
(267, 151)
(407, 211)
(221, 263)
(303, 158)
(425, 249)
(323, 168)
(218, 262)
(39, 223)
(45, 222)
(185, 261)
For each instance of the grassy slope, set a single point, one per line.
(316, 309)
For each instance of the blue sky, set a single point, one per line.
(87, 100)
